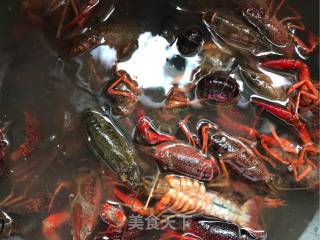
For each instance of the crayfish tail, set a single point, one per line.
(249, 216)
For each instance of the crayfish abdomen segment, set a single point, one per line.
(180, 183)
(177, 197)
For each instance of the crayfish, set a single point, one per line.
(307, 96)
(123, 94)
(37, 11)
(176, 155)
(184, 195)
(279, 33)
(87, 194)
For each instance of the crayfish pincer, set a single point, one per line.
(110, 145)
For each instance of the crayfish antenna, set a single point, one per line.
(63, 16)
(152, 189)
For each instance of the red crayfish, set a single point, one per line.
(307, 95)
(280, 33)
(85, 206)
(176, 155)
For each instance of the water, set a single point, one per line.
(36, 77)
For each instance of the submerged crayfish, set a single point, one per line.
(184, 195)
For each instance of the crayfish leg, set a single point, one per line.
(32, 137)
(58, 189)
(301, 45)
(135, 204)
(191, 137)
(223, 179)
(123, 77)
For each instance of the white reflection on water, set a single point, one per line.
(277, 80)
(105, 54)
(149, 63)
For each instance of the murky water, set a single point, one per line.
(38, 80)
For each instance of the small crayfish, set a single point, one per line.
(183, 195)
(279, 33)
(308, 146)
(231, 151)
(20, 150)
(236, 154)
(85, 206)
(123, 94)
(307, 96)
(263, 85)
(231, 31)
(307, 93)
(176, 155)
(112, 214)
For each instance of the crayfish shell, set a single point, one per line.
(263, 85)
(215, 88)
